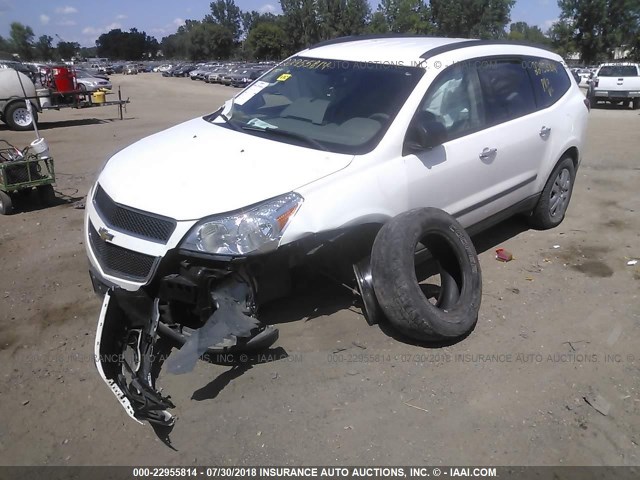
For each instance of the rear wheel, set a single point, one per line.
(6, 205)
(555, 197)
(17, 116)
(635, 104)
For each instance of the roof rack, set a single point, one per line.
(375, 36)
(433, 51)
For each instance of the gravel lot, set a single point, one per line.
(556, 341)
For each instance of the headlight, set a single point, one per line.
(256, 230)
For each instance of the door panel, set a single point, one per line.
(493, 147)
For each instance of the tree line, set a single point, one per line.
(228, 31)
(592, 28)
(22, 42)
(131, 45)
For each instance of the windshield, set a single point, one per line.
(618, 71)
(339, 106)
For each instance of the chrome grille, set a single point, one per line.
(135, 222)
(118, 261)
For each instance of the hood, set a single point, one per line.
(197, 169)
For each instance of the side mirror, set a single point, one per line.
(425, 132)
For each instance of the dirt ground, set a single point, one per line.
(550, 375)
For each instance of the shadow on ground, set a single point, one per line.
(323, 296)
(28, 200)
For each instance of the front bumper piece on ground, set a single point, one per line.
(130, 377)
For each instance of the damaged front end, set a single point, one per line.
(199, 310)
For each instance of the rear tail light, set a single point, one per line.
(587, 104)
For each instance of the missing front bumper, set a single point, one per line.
(133, 340)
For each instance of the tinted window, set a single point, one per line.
(507, 90)
(618, 71)
(455, 100)
(550, 80)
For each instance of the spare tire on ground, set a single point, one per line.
(396, 285)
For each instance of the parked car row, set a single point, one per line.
(230, 74)
(584, 76)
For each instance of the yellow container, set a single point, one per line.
(97, 97)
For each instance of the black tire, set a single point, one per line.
(546, 214)
(636, 103)
(396, 285)
(6, 205)
(47, 194)
(16, 116)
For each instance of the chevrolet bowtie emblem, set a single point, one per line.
(105, 234)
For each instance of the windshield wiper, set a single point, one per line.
(286, 133)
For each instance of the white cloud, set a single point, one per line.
(178, 22)
(97, 31)
(121, 17)
(66, 23)
(90, 31)
(44, 19)
(66, 10)
(159, 31)
(268, 8)
(549, 23)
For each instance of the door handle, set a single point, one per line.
(545, 132)
(488, 153)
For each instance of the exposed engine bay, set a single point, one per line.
(129, 350)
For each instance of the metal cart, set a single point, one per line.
(21, 170)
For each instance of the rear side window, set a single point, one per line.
(550, 80)
(507, 90)
(618, 71)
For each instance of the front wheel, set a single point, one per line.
(555, 197)
(17, 116)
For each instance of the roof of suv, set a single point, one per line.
(405, 50)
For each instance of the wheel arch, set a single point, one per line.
(573, 153)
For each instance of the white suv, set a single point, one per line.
(355, 147)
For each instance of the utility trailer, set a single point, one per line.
(20, 100)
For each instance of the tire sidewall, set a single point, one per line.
(10, 111)
(396, 285)
(546, 220)
(6, 205)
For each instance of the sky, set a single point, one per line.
(84, 21)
